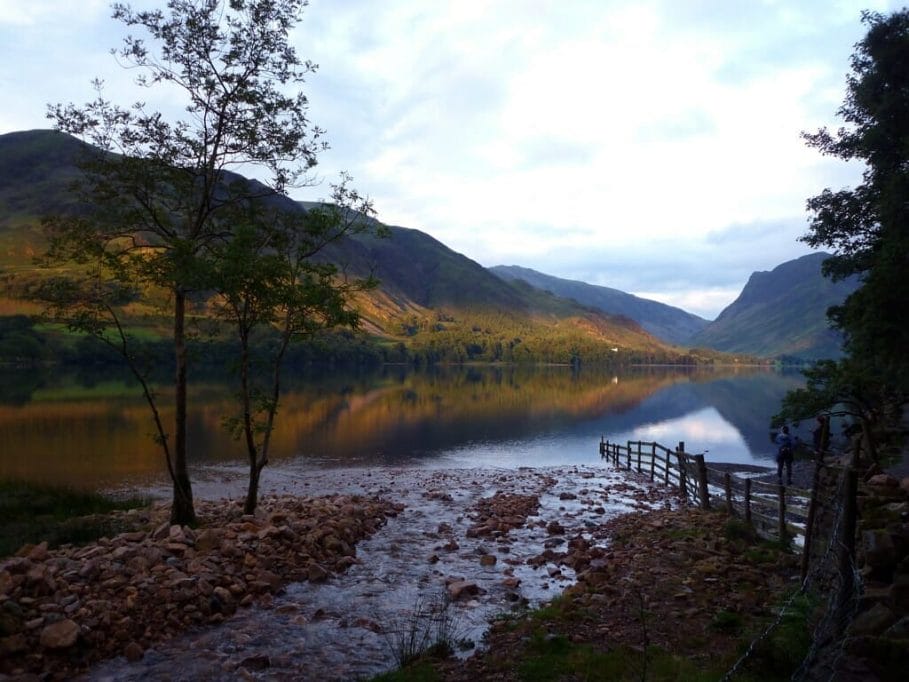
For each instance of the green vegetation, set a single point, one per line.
(32, 513)
(165, 231)
(867, 228)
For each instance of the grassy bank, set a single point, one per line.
(32, 513)
(678, 596)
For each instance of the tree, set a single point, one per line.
(867, 228)
(270, 287)
(159, 196)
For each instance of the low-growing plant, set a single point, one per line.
(727, 621)
(33, 513)
(430, 629)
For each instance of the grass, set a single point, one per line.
(555, 657)
(32, 513)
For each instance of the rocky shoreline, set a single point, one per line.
(63, 610)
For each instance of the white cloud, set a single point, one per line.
(567, 137)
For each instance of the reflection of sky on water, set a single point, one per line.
(703, 431)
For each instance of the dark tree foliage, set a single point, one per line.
(867, 229)
(161, 196)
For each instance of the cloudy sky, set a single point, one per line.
(652, 146)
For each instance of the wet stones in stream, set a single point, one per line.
(64, 609)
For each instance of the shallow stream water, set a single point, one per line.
(351, 626)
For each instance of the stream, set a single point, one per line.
(353, 625)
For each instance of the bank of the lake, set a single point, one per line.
(307, 581)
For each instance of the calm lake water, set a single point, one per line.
(94, 432)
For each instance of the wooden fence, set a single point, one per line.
(776, 511)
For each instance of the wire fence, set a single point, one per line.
(820, 523)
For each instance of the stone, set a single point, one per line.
(38, 552)
(14, 644)
(133, 652)
(872, 622)
(207, 540)
(885, 480)
(60, 635)
(488, 560)
(257, 662)
(462, 588)
(879, 549)
(316, 573)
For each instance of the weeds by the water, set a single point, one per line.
(430, 629)
(33, 513)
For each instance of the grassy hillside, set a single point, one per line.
(433, 304)
(781, 313)
(668, 323)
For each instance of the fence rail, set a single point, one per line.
(776, 511)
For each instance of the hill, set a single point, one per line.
(433, 303)
(666, 322)
(781, 313)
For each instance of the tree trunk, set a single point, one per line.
(252, 493)
(182, 511)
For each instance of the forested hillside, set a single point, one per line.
(666, 322)
(432, 305)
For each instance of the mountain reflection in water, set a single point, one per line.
(96, 433)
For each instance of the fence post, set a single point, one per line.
(629, 455)
(652, 460)
(666, 473)
(639, 456)
(748, 501)
(602, 448)
(702, 482)
(727, 484)
(683, 487)
(781, 521)
(809, 522)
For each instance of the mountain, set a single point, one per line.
(781, 313)
(436, 302)
(670, 324)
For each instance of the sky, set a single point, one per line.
(651, 146)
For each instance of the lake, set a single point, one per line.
(94, 431)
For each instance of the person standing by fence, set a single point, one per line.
(784, 455)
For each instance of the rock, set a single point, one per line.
(38, 552)
(462, 588)
(555, 528)
(488, 560)
(879, 549)
(316, 573)
(885, 480)
(257, 662)
(872, 622)
(133, 652)
(207, 540)
(60, 635)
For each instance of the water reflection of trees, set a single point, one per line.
(98, 434)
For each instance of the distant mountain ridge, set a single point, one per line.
(441, 304)
(782, 312)
(666, 322)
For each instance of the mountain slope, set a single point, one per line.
(781, 312)
(663, 321)
(430, 296)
